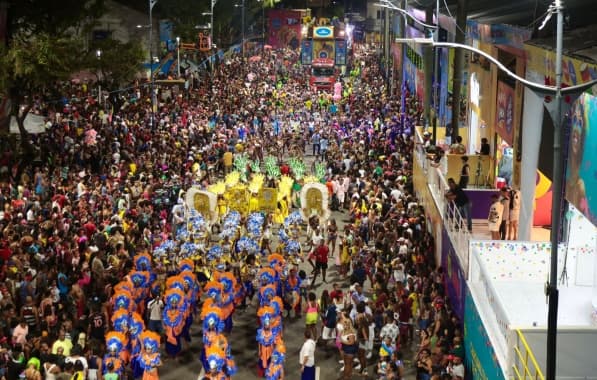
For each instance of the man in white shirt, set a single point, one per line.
(390, 329)
(155, 307)
(307, 358)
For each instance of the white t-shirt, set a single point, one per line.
(155, 310)
(307, 350)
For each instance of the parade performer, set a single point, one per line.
(114, 345)
(173, 317)
(275, 370)
(227, 298)
(266, 336)
(136, 327)
(292, 291)
(121, 324)
(219, 367)
(150, 359)
(213, 326)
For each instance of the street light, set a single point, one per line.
(551, 287)
(178, 54)
(98, 55)
(151, 3)
(262, 20)
(242, 43)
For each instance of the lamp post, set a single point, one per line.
(98, 55)
(152, 3)
(555, 109)
(178, 55)
(242, 43)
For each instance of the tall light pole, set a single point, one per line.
(242, 42)
(98, 55)
(152, 3)
(178, 55)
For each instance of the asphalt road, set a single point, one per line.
(244, 346)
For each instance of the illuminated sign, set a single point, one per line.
(323, 32)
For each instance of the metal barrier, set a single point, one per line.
(522, 358)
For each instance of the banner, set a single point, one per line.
(323, 49)
(268, 199)
(574, 71)
(504, 113)
(581, 175)
(480, 357)
(306, 52)
(340, 52)
(284, 28)
(166, 31)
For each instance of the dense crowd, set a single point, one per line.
(108, 184)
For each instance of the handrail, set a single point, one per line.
(524, 360)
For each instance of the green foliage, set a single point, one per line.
(184, 14)
(53, 17)
(119, 62)
(34, 62)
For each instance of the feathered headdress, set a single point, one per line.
(271, 167)
(186, 265)
(218, 188)
(212, 319)
(142, 262)
(267, 276)
(266, 314)
(136, 324)
(228, 281)
(215, 357)
(175, 282)
(189, 279)
(121, 300)
(120, 320)
(151, 341)
(126, 285)
(276, 261)
(214, 290)
(276, 304)
(115, 341)
(173, 297)
(266, 293)
(140, 279)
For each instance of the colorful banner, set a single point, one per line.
(574, 71)
(306, 52)
(323, 49)
(284, 28)
(454, 280)
(498, 34)
(340, 53)
(581, 176)
(166, 31)
(480, 357)
(323, 32)
(413, 65)
(504, 113)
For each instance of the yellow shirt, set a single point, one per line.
(65, 344)
(227, 158)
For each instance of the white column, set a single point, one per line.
(532, 121)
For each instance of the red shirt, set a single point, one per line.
(321, 253)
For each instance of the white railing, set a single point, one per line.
(457, 227)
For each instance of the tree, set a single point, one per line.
(118, 64)
(30, 64)
(42, 48)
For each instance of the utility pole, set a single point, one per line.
(458, 67)
(152, 3)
